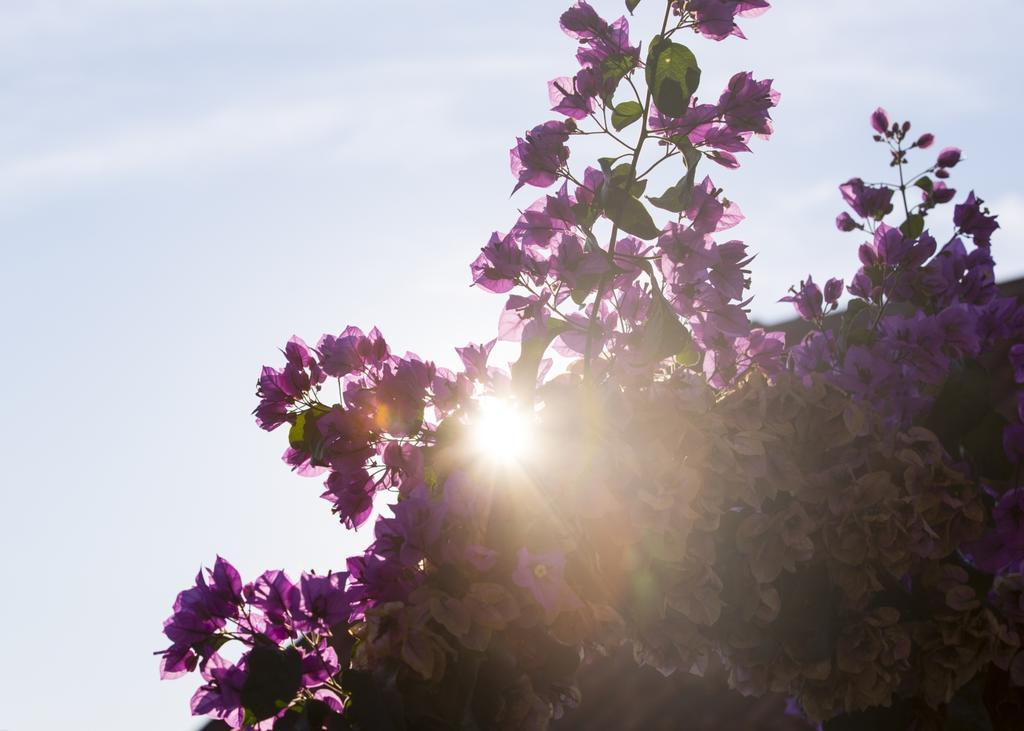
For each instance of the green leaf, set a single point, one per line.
(621, 176)
(303, 433)
(613, 69)
(585, 214)
(966, 710)
(617, 197)
(678, 198)
(625, 113)
(688, 357)
(608, 163)
(631, 5)
(579, 294)
(663, 335)
(274, 678)
(374, 702)
(966, 422)
(672, 75)
(586, 283)
(984, 447)
(674, 199)
(913, 226)
(531, 352)
(628, 213)
(297, 434)
(310, 715)
(925, 184)
(854, 308)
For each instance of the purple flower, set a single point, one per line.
(958, 330)
(582, 22)
(276, 395)
(221, 696)
(279, 389)
(568, 98)
(325, 602)
(695, 121)
(404, 462)
(1004, 544)
(745, 104)
(546, 218)
(351, 492)
(499, 265)
(862, 286)
(806, 300)
(941, 193)
(727, 273)
(707, 213)
(279, 600)
(414, 530)
(576, 267)
(474, 359)
(690, 251)
(925, 141)
(970, 218)
(762, 350)
(815, 354)
(716, 19)
(833, 290)
(1017, 361)
(377, 580)
(880, 121)
(845, 222)
(319, 663)
(891, 246)
(341, 355)
(599, 39)
(398, 399)
(177, 660)
(542, 575)
(481, 558)
(199, 612)
(188, 629)
(948, 158)
(868, 201)
(1013, 443)
(863, 371)
(345, 437)
(536, 159)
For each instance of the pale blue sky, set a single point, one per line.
(184, 184)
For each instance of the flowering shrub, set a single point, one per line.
(836, 520)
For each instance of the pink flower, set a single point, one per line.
(542, 575)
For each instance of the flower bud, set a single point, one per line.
(925, 141)
(949, 157)
(942, 194)
(880, 120)
(833, 290)
(845, 222)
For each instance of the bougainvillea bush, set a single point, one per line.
(834, 520)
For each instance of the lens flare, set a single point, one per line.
(501, 430)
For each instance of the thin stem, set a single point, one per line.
(903, 185)
(607, 276)
(647, 172)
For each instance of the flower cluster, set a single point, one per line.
(836, 520)
(272, 611)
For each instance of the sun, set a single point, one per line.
(501, 430)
